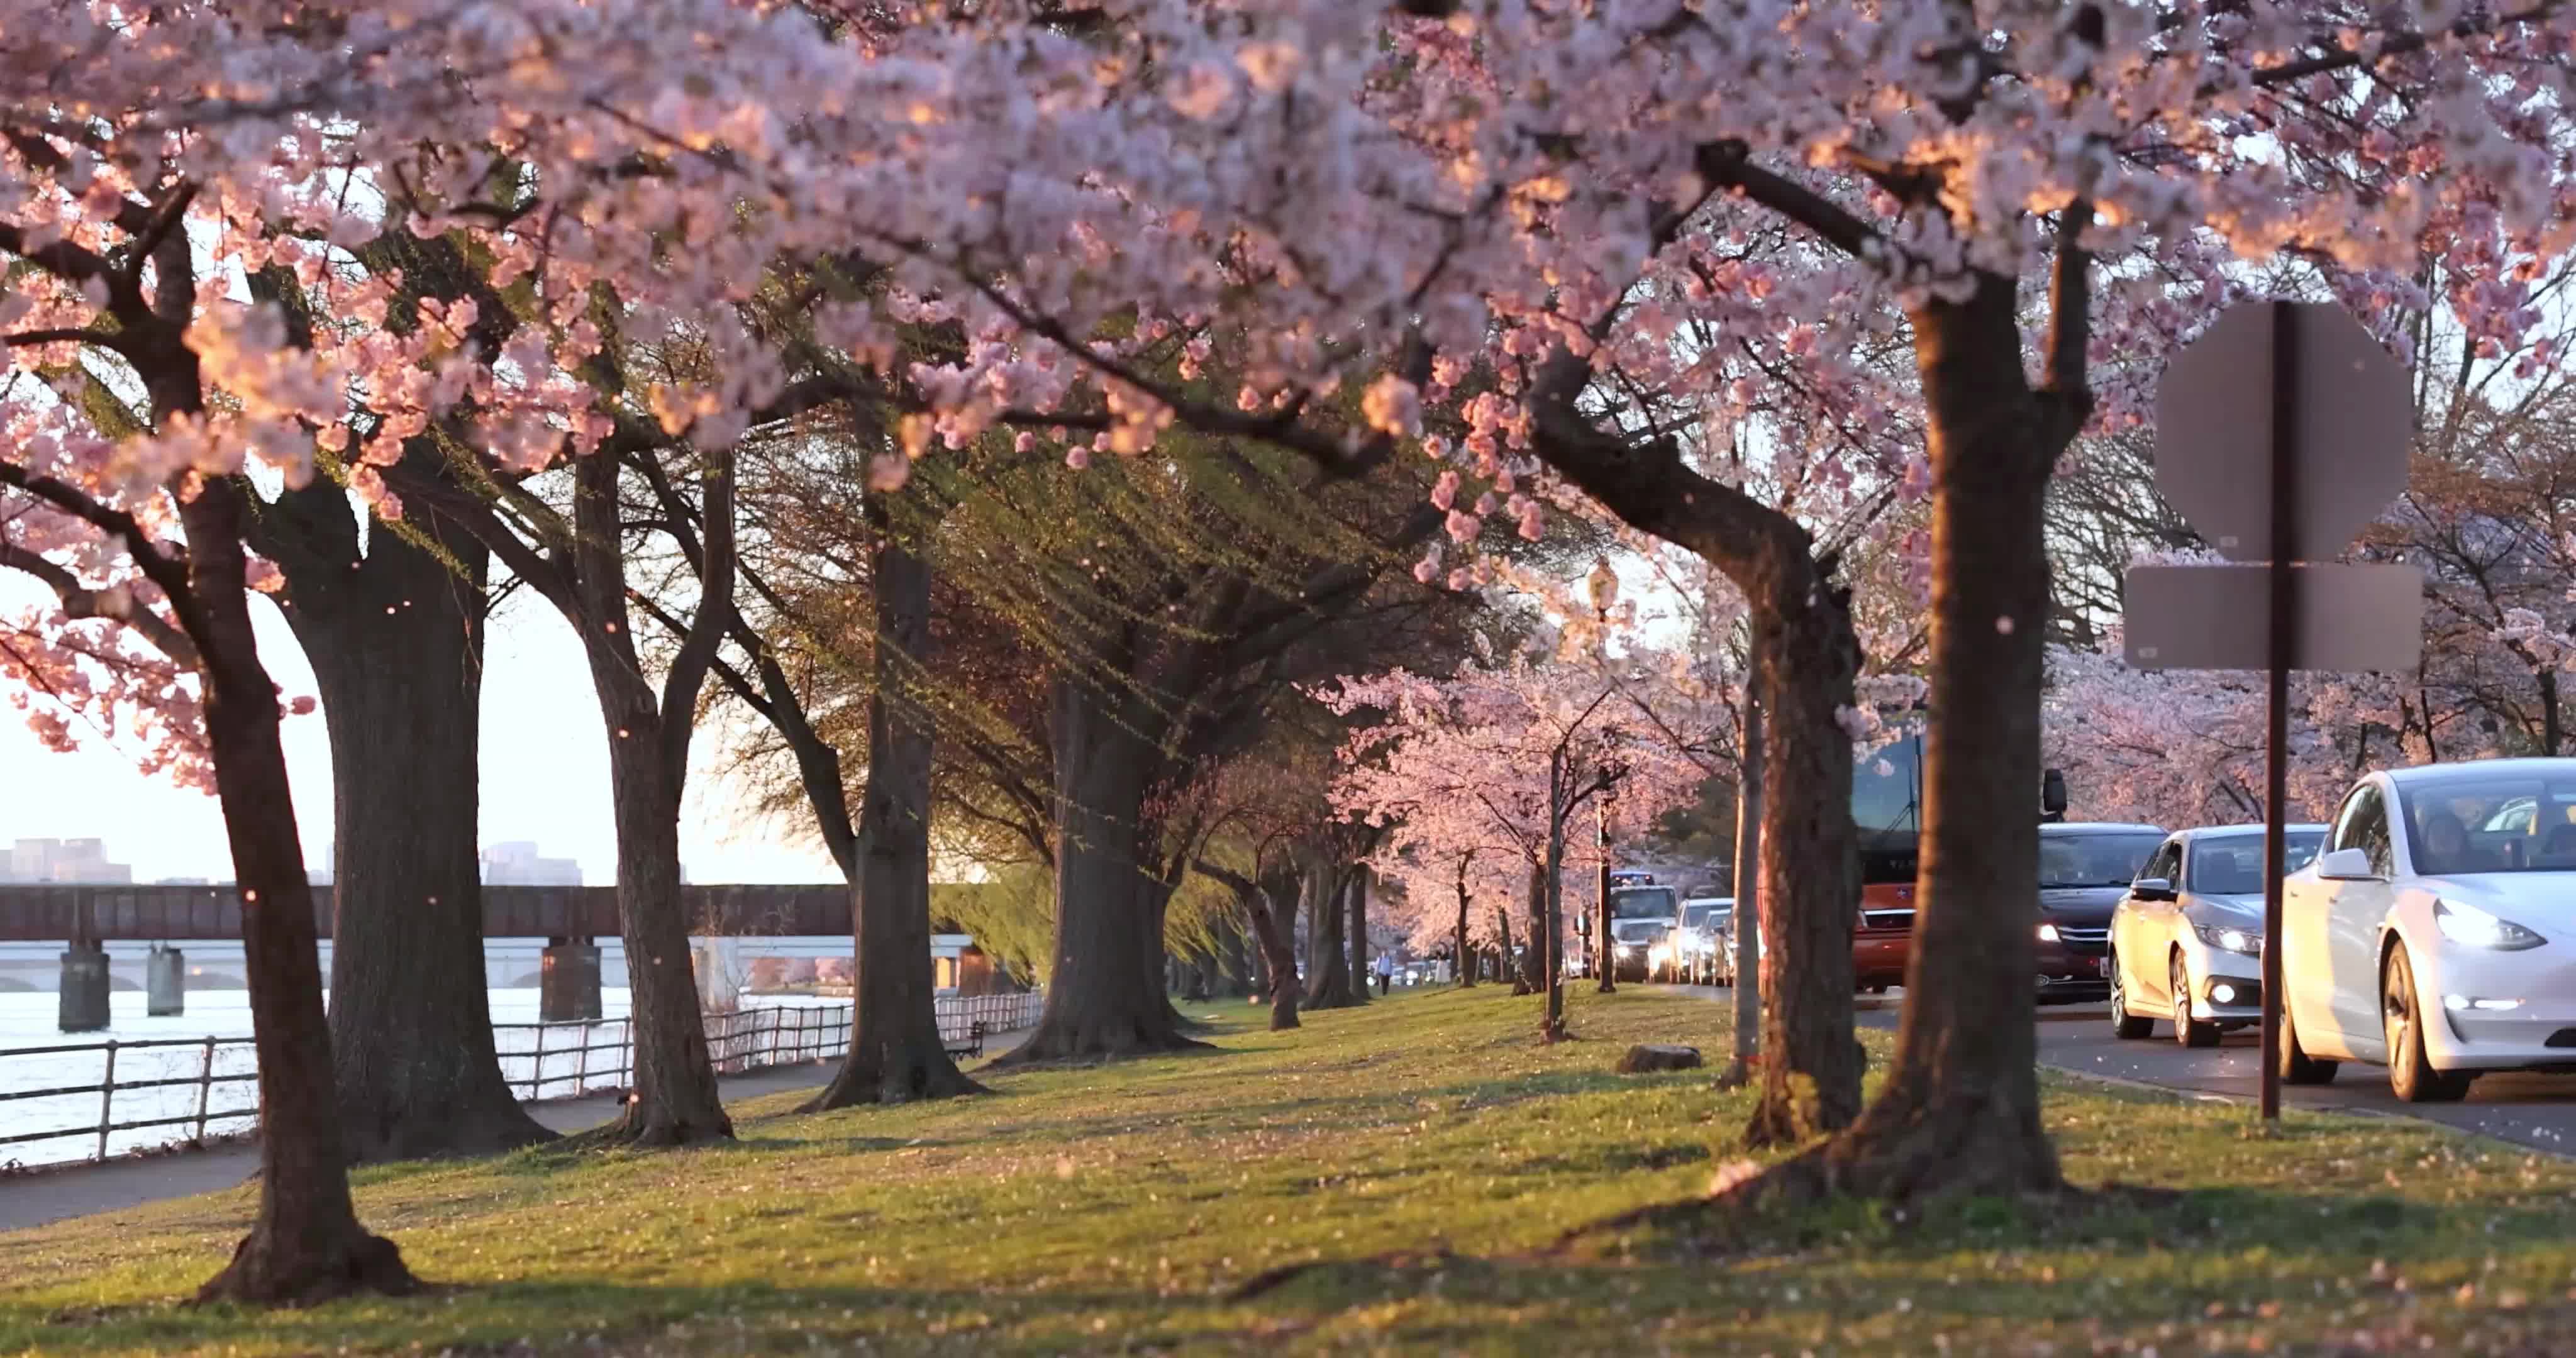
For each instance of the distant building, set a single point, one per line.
(518, 864)
(72, 861)
(184, 881)
(321, 876)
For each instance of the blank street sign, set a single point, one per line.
(2350, 618)
(2356, 413)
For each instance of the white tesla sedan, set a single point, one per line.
(2436, 935)
(2187, 941)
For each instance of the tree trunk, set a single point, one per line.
(1360, 970)
(306, 1244)
(1959, 1112)
(1551, 945)
(2551, 730)
(1810, 897)
(1466, 959)
(1275, 929)
(396, 642)
(1748, 887)
(1607, 975)
(675, 1101)
(896, 1054)
(1531, 978)
(1328, 973)
(1105, 996)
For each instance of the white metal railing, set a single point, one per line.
(185, 1091)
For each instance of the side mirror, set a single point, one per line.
(2052, 793)
(2152, 889)
(2346, 865)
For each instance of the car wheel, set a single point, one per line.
(2188, 1031)
(2297, 1067)
(2126, 1026)
(2410, 1069)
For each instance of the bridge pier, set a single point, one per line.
(84, 1006)
(165, 982)
(568, 981)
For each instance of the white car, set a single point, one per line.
(2436, 935)
(1704, 919)
(2192, 927)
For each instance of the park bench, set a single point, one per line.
(963, 1041)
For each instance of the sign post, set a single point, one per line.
(2280, 431)
(2283, 654)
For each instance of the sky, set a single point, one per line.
(545, 766)
(545, 776)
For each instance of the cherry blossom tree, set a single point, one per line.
(1515, 229)
(1491, 766)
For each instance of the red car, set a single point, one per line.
(1883, 935)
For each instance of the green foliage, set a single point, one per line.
(1011, 916)
(1704, 829)
(1394, 1177)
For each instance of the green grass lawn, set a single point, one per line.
(1423, 1156)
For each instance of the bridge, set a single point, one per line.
(174, 914)
(86, 918)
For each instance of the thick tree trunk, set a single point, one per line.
(1959, 1112)
(396, 642)
(1105, 996)
(896, 1054)
(675, 1100)
(306, 1244)
(1328, 975)
(1810, 895)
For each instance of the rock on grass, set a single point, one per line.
(1647, 1056)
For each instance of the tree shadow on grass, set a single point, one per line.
(2113, 1216)
(1957, 1268)
(533, 1316)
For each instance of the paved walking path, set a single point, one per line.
(130, 1181)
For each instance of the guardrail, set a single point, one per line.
(181, 1091)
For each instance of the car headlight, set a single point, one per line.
(2048, 933)
(2471, 927)
(2229, 939)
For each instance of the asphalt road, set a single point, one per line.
(2538, 1111)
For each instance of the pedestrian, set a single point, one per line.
(1385, 972)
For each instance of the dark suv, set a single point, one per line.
(2084, 870)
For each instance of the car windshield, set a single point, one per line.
(2233, 866)
(1643, 902)
(2458, 826)
(1693, 916)
(1637, 930)
(2100, 858)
